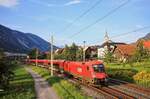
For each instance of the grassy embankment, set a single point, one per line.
(21, 86)
(64, 89)
(138, 73)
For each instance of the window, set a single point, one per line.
(87, 68)
(98, 68)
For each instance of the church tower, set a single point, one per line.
(106, 38)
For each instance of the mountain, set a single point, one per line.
(147, 37)
(19, 42)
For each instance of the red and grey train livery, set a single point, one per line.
(90, 71)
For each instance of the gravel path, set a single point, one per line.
(42, 88)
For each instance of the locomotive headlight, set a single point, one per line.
(106, 79)
(94, 75)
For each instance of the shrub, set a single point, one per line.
(123, 74)
(142, 78)
(6, 74)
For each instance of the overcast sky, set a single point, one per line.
(43, 17)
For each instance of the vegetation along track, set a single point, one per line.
(140, 92)
(109, 92)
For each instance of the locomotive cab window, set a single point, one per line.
(87, 68)
(98, 68)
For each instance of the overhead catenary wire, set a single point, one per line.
(83, 14)
(100, 19)
(136, 30)
(123, 34)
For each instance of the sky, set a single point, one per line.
(56, 17)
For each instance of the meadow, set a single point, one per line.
(21, 86)
(138, 73)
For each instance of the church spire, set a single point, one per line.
(106, 37)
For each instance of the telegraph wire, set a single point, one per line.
(83, 14)
(140, 29)
(120, 35)
(100, 19)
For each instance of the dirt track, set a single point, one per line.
(42, 88)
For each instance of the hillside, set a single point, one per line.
(146, 37)
(19, 42)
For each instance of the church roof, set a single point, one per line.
(106, 38)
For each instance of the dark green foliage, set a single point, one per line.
(71, 53)
(79, 55)
(6, 74)
(42, 56)
(21, 86)
(123, 74)
(5, 71)
(141, 52)
(1, 53)
(108, 58)
(32, 54)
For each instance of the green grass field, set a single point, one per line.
(64, 89)
(21, 87)
(138, 73)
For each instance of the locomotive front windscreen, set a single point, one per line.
(98, 68)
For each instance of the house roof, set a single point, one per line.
(59, 51)
(146, 44)
(112, 43)
(126, 49)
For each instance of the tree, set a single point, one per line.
(5, 71)
(5, 74)
(141, 52)
(1, 53)
(32, 54)
(108, 57)
(79, 54)
(71, 53)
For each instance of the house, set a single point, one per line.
(59, 51)
(15, 56)
(146, 44)
(91, 52)
(107, 45)
(123, 52)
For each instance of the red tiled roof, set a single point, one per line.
(146, 44)
(126, 49)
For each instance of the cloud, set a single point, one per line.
(8, 3)
(72, 2)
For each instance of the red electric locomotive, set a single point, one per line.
(91, 71)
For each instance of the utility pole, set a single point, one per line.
(36, 63)
(52, 55)
(84, 51)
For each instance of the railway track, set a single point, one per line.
(109, 92)
(133, 86)
(115, 93)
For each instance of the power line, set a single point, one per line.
(100, 19)
(120, 35)
(83, 14)
(140, 29)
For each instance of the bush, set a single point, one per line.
(123, 74)
(6, 74)
(142, 78)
